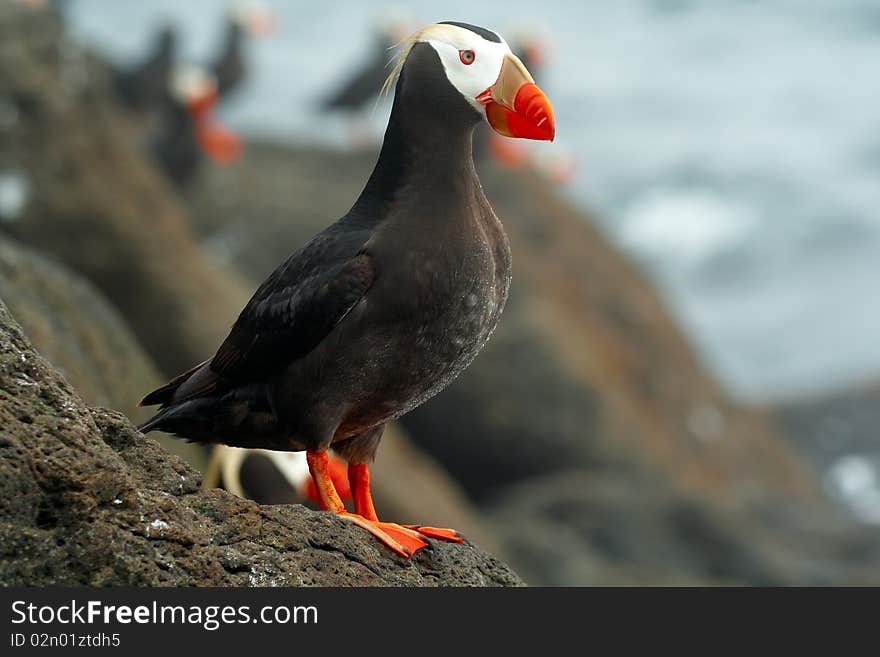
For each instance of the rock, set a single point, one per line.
(82, 335)
(85, 499)
(830, 426)
(635, 529)
(92, 200)
(838, 434)
(76, 329)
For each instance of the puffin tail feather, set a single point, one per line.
(153, 423)
(164, 394)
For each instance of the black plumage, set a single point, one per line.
(173, 144)
(143, 85)
(375, 314)
(365, 83)
(229, 66)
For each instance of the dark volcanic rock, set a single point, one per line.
(75, 329)
(633, 529)
(86, 499)
(82, 335)
(838, 432)
(92, 200)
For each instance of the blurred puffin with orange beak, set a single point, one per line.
(244, 18)
(187, 128)
(385, 307)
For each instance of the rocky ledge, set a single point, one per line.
(85, 499)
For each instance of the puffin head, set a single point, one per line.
(194, 87)
(479, 66)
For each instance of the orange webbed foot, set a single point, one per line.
(406, 540)
(402, 540)
(439, 533)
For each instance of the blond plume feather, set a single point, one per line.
(435, 31)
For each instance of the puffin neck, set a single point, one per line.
(425, 148)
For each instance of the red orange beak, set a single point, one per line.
(215, 140)
(515, 106)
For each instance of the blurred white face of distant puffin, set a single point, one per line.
(481, 66)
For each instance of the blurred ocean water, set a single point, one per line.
(732, 146)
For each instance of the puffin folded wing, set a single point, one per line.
(285, 320)
(287, 317)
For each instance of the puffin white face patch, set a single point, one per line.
(189, 82)
(470, 73)
(472, 63)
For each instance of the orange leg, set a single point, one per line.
(359, 480)
(339, 476)
(402, 540)
(319, 467)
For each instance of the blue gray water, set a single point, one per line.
(733, 147)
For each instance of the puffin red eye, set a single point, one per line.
(467, 57)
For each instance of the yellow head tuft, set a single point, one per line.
(435, 31)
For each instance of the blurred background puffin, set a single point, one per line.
(359, 93)
(186, 128)
(142, 85)
(173, 102)
(229, 65)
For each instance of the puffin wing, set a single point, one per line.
(294, 310)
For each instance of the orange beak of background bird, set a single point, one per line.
(215, 140)
(515, 106)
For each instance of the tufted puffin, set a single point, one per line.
(228, 66)
(366, 83)
(384, 308)
(143, 85)
(187, 128)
